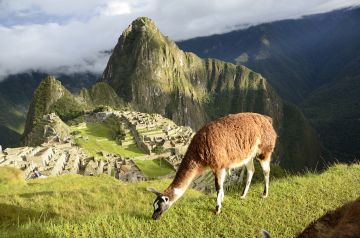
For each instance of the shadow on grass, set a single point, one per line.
(29, 195)
(11, 216)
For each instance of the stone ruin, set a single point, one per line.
(148, 131)
(152, 131)
(65, 158)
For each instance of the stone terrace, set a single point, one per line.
(65, 158)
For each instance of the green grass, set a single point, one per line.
(101, 206)
(99, 138)
(154, 168)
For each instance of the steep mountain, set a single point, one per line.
(52, 97)
(16, 93)
(150, 73)
(312, 61)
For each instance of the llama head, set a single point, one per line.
(161, 203)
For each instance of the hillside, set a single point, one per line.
(334, 109)
(74, 206)
(52, 97)
(312, 62)
(16, 92)
(150, 73)
(12, 137)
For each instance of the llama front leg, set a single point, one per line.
(250, 172)
(219, 186)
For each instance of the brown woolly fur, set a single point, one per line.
(342, 223)
(225, 143)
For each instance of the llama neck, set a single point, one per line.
(186, 173)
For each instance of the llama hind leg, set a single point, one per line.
(219, 185)
(265, 165)
(250, 172)
(241, 178)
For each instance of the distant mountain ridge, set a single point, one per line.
(296, 56)
(312, 62)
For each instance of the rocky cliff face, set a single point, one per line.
(148, 71)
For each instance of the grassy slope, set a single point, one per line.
(74, 206)
(154, 168)
(100, 139)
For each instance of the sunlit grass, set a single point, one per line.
(101, 206)
(98, 137)
(154, 168)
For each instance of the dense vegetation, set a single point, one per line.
(101, 206)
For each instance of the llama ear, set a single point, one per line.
(153, 191)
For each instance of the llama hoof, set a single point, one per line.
(217, 210)
(243, 196)
(264, 196)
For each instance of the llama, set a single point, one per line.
(228, 142)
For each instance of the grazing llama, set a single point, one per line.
(228, 142)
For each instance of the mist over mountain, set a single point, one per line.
(312, 62)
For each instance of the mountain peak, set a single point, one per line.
(141, 25)
(143, 21)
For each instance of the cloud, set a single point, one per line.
(116, 8)
(72, 36)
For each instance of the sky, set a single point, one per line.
(73, 35)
